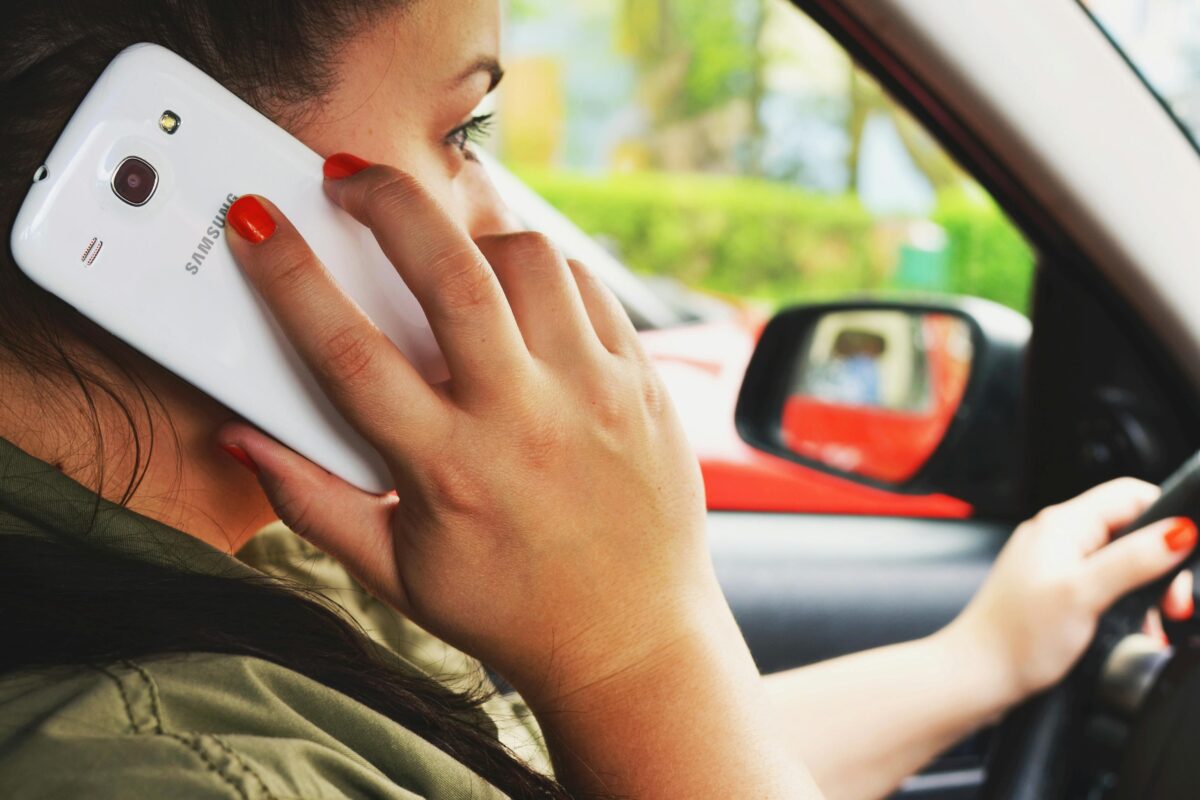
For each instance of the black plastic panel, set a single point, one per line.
(808, 588)
(1103, 401)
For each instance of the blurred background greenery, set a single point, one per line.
(732, 146)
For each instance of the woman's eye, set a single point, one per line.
(473, 131)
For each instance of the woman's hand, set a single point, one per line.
(1040, 606)
(550, 515)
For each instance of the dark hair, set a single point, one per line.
(75, 605)
(69, 604)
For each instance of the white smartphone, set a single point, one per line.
(125, 222)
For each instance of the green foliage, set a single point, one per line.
(769, 241)
(722, 54)
(693, 56)
(988, 256)
(520, 10)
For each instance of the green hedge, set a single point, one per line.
(988, 256)
(769, 241)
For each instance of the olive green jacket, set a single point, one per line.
(218, 726)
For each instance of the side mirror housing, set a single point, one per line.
(917, 398)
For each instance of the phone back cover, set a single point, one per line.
(161, 277)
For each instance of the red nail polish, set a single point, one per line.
(1180, 615)
(239, 455)
(251, 220)
(1181, 535)
(343, 165)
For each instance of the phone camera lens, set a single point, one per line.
(135, 181)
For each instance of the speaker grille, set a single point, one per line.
(91, 252)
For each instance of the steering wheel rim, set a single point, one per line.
(1038, 745)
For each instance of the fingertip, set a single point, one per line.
(1133, 486)
(338, 170)
(1179, 611)
(253, 447)
(241, 434)
(1136, 559)
(229, 431)
(240, 456)
(250, 219)
(1179, 602)
(343, 165)
(1181, 535)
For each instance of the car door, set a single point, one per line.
(1106, 390)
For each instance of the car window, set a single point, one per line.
(1161, 39)
(730, 153)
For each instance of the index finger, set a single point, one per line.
(444, 269)
(1105, 509)
(361, 371)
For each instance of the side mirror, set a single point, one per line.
(912, 398)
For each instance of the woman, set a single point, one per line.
(548, 518)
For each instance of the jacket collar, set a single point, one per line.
(36, 499)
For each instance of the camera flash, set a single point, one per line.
(169, 122)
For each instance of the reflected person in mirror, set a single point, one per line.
(851, 375)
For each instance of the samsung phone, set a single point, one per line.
(126, 220)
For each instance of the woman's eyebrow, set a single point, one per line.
(487, 65)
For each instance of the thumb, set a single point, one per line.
(351, 525)
(1135, 560)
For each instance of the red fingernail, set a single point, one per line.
(343, 165)
(250, 219)
(1181, 535)
(1181, 614)
(239, 455)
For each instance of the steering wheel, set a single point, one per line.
(1071, 742)
(1041, 751)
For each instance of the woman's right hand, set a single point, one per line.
(549, 513)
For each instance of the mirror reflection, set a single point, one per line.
(873, 391)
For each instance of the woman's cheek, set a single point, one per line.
(438, 173)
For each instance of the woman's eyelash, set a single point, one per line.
(473, 131)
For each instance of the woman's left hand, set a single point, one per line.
(1039, 608)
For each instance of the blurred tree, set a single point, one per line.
(696, 58)
(868, 99)
(519, 10)
(701, 81)
(536, 114)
